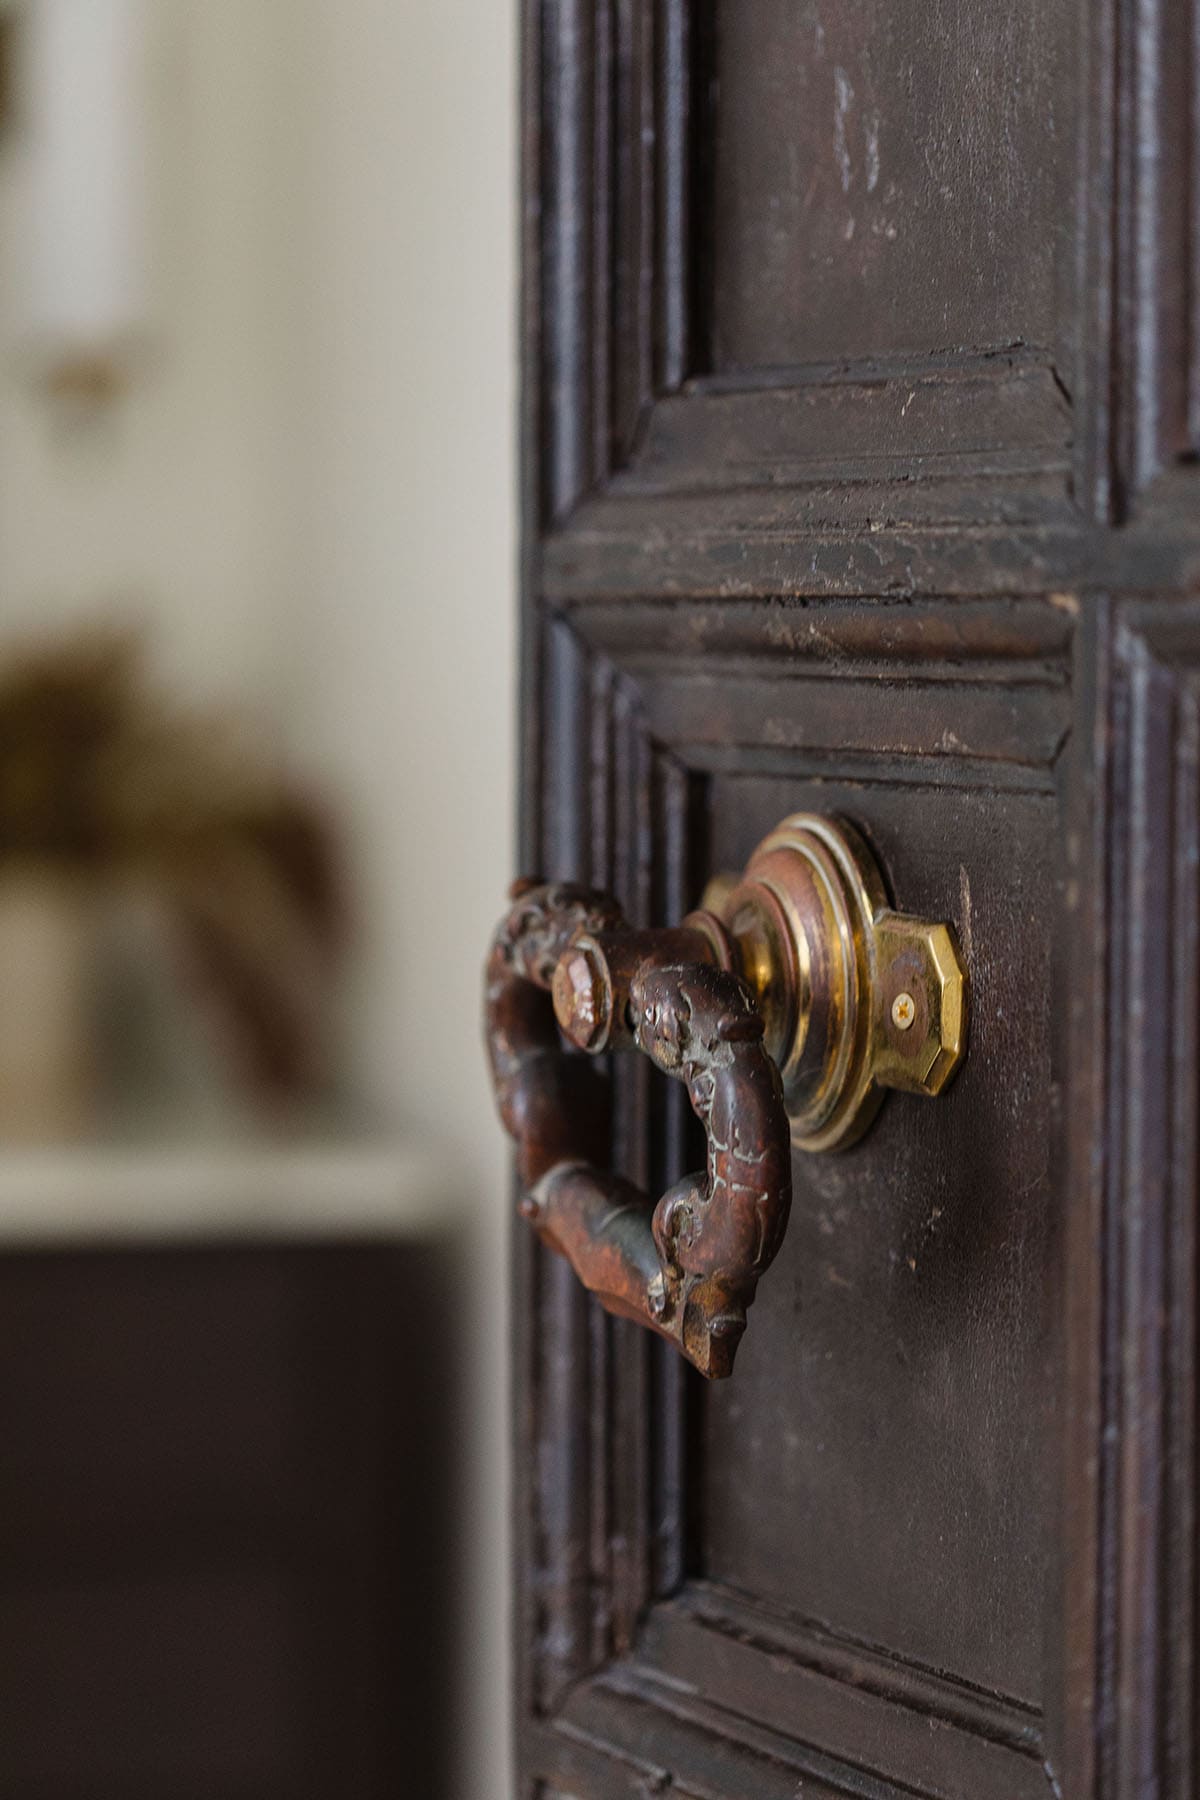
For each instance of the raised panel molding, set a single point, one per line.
(622, 1625)
(871, 1706)
(858, 477)
(1158, 242)
(618, 813)
(720, 577)
(614, 1634)
(747, 688)
(614, 271)
(1147, 1668)
(1002, 416)
(621, 1635)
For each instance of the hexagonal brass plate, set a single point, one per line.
(856, 997)
(923, 961)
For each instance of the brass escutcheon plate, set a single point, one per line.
(855, 996)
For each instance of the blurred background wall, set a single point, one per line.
(307, 491)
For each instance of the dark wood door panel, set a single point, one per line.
(863, 1706)
(861, 375)
(635, 1731)
(706, 317)
(880, 1465)
(945, 465)
(888, 179)
(863, 1521)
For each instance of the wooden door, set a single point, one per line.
(861, 407)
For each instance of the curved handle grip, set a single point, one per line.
(787, 1007)
(689, 1269)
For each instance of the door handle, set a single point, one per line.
(787, 1004)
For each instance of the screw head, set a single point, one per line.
(904, 1011)
(925, 1024)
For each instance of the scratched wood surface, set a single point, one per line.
(861, 415)
(893, 173)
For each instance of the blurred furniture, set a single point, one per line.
(224, 1392)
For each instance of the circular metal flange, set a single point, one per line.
(854, 996)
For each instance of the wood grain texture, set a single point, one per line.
(907, 1451)
(892, 174)
(945, 1543)
(1149, 1673)
(1158, 244)
(1040, 654)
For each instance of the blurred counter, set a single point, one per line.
(295, 1190)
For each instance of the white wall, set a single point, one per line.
(403, 642)
(311, 496)
(171, 506)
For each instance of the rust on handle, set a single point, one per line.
(554, 1106)
(688, 1267)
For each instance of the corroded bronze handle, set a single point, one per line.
(690, 1268)
(786, 1004)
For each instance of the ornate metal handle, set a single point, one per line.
(785, 1004)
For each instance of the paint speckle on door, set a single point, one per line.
(843, 101)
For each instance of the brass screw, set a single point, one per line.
(904, 1011)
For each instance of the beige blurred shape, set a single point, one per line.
(47, 938)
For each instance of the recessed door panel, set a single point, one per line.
(879, 1464)
(889, 177)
